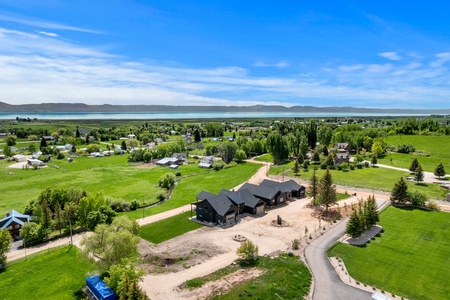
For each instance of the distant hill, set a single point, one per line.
(81, 107)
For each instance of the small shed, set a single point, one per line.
(99, 288)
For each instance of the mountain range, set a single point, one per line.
(107, 108)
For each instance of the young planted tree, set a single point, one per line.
(440, 170)
(326, 192)
(418, 174)
(399, 192)
(414, 165)
(374, 160)
(296, 168)
(354, 226)
(248, 252)
(313, 186)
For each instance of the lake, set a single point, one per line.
(180, 115)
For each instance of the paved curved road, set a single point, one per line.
(327, 284)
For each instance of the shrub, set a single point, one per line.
(178, 173)
(230, 165)
(404, 148)
(323, 166)
(295, 244)
(432, 205)
(60, 156)
(417, 198)
(366, 164)
(119, 205)
(339, 168)
(359, 166)
(218, 165)
(352, 167)
(160, 195)
(134, 205)
(166, 180)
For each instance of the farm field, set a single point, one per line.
(58, 274)
(166, 229)
(113, 176)
(409, 259)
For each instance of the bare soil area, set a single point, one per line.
(221, 286)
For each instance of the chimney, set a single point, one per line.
(7, 214)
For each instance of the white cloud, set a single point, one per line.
(280, 64)
(37, 68)
(442, 58)
(48, 33)
(44, 24)
(390, 55)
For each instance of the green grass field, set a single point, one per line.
(377, 179)
(168, 228)
(210, 181)
(285, 277)
(58, 274)
(409, 259)
(115, 178)
(435, 145)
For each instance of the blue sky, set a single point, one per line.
(320, 53)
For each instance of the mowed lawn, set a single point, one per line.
(169, 228)
(435, 145)
(377, 179)
(410, 259)
(58, 274)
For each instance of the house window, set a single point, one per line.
(17, 226)
(10, 227)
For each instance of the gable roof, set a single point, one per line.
(15, 217)
(204, 195)
(259, 191)
(286, 186)
(233, 196)
(249, 199)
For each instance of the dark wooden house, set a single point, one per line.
(216, 209)
(13, 221)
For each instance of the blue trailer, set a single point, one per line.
(99, 288)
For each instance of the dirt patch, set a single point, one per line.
(221, 286)
(176, 255)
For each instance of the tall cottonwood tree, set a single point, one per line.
(278, 147)
(326, 192)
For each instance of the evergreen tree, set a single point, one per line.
(316, 156)
(326, 192)
(313, 186)
(374, 159)
(400, 192)
(296, 168)
(197, 137)
(43, 143)
(325, 150)
(73, 150)
(414, 165)
(354, 227)
(123, 146)
(87, 139)
(329, 161)
(440, 170)
(418, 174)
(372, 216)
(77, 133)
(300, 158)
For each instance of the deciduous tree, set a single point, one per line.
(248, 252)
(111, 243)
(5, 244)
(278, 147)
